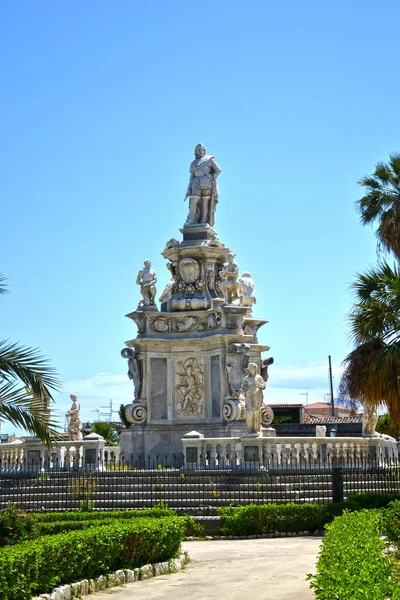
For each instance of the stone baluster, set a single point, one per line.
(278, 453)
(203, 454)
(351, 453)
(267, 454)
(345, 452)
(306, 452)
(213, 456)
(314, 452)
(222, 461)
(286, 454)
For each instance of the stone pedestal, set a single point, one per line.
(192, 355)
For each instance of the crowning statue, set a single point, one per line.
(203, 188)
(75, 424)
(147, 279)
(252, 387)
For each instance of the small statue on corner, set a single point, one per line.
(75, 424)
(251, 391)
(147, 279)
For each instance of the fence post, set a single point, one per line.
(337, 484)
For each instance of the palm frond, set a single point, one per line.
(30, 413)
(3, 286)
(29, 366)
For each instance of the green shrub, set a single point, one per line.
(352, 564)
(367, 500)
(36, 566)
(391, 522)
(268, 518)
(15, 525)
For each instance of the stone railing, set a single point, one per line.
(276, 451)
(32, 455)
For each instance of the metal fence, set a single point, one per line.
(146, 482)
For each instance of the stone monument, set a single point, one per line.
(189, 359)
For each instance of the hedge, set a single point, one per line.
(17, 525)
(99, 515)
(268, 518)
(391, 522)
(352, 564)
(258, 519)
(36, 566)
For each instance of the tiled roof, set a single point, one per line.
(330, 420)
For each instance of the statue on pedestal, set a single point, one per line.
(228, 276)
(147, 278)
(245, 291)
(252, 387)
(202, 189)
(75, 424)
(133, 369)
(369, 421)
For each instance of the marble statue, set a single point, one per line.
(147, 279)
(369, 421)
(202, 189)
(245, 291)
(228, 276)
(133, 369)
(169, 288)
(251, 390)
(75, 424)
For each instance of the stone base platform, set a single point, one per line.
(264, 452)
(164, 442)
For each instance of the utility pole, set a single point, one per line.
(331, 386)
(110, 412)
(306, 395)
(96, 410)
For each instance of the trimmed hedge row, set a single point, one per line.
(99, 515)
(256, 519)
(352, 564)
(17, 525)
(268, 518)
(37, 566)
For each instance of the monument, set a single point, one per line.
(189, 360)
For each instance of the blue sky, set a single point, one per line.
(101, 106)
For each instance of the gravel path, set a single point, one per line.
(267, 569)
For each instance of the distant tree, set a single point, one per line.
(106, 430)
(381, 203)
(25, 383)
(385, 425)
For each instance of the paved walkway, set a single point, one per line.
(268, 569)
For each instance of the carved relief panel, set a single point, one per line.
(189, 389)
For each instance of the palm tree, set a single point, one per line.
(372, 369)
(107, 431)
(25, 383)
(382, 203)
